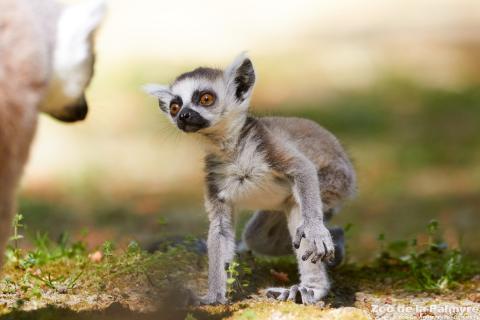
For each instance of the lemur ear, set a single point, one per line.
(240, 77)
(161, 92)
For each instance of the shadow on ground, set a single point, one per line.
(115, 312)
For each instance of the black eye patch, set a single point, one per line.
(197, 94)
(178, 100)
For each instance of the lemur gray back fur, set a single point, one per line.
(287, 167)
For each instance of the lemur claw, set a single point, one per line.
(298, 294)
(321, 244)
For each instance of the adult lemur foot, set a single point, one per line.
(298, 294)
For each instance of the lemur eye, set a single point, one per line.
(174, 108)
(207, 99)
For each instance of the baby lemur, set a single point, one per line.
(292, 170)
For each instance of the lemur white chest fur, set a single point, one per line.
(247, 181)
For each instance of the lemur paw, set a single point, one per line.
(298, 294)
(321, 245)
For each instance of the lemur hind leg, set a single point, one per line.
(267, 233)
(314, 282)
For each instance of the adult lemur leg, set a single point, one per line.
(7, 200)
(221, 247)
(314, 283)
(15, 139)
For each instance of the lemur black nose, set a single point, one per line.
(185, 115)
(190, 120)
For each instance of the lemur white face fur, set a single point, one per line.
(207, 100)
(73, 60)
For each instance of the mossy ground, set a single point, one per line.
(131, 283)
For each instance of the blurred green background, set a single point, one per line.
(397, 82)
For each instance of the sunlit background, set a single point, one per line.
(397, 81)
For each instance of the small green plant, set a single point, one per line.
(45, 252)
(14, 252)
(236, 278)
(47, 280)
(133, 248)
(431, 267)
(232, 275)
(9, 286)
(108, 247)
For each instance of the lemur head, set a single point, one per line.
(207, 100)
(73, 60)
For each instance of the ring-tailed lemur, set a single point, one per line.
(284, 167)
(47, 57)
